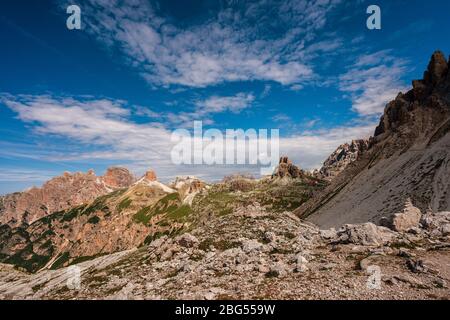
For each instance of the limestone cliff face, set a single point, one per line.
(117, 178)
(59, 194)
(413, 117)
(408, 157)
(344, 155)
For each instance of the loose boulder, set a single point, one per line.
(187, 240)
(367, 234)
(409, 218)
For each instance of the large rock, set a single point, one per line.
(438, 224)
(251, 246)
(187, 240)
(367, 234)
(301, 263)
(409, 218)
(437, 69)
(150, 175)
(445, 229)
(287, 169)
(116, 177)
(278, 269)
(328, 234)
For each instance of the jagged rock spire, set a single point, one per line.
(437, 69)
(150, 175)
(287, 169)
(432, 92)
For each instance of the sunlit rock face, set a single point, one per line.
(60, 193)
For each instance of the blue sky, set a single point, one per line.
(111, 93)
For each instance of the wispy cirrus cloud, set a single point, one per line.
(24, 175)
(225, 48)
(372, 81)
(102, 129)
(281, 118)
(204, 109)
(101, 123)
(217, 104)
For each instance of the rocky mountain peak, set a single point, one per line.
(437, 69)
(117, 177)
(435, 78)
(61, 193)
(188, 187)
(344, 155)
(287, 169)
(150, 175)
(419, 111)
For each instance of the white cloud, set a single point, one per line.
(103, 124)
(229, 46)
(296, 87)
(101, 130)
(324, 46)
(311, 123)
(310, 149)
(373, 81)
(24, 175)
(146, 112)
(217, 104)
(206, 107)
(281, 117)
(266, 91)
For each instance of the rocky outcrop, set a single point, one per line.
(409, 218)
(60, 193)
(188, 187)
(186, 240)
(437, 224)
(407, 158)
(287, 169)
(366, 234)
(417, 113)
(343, 156)
(437, 71)
(117, 178)
(150, 175)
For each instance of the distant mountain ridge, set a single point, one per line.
(145, 211)
(118, 220)
(60, 193)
